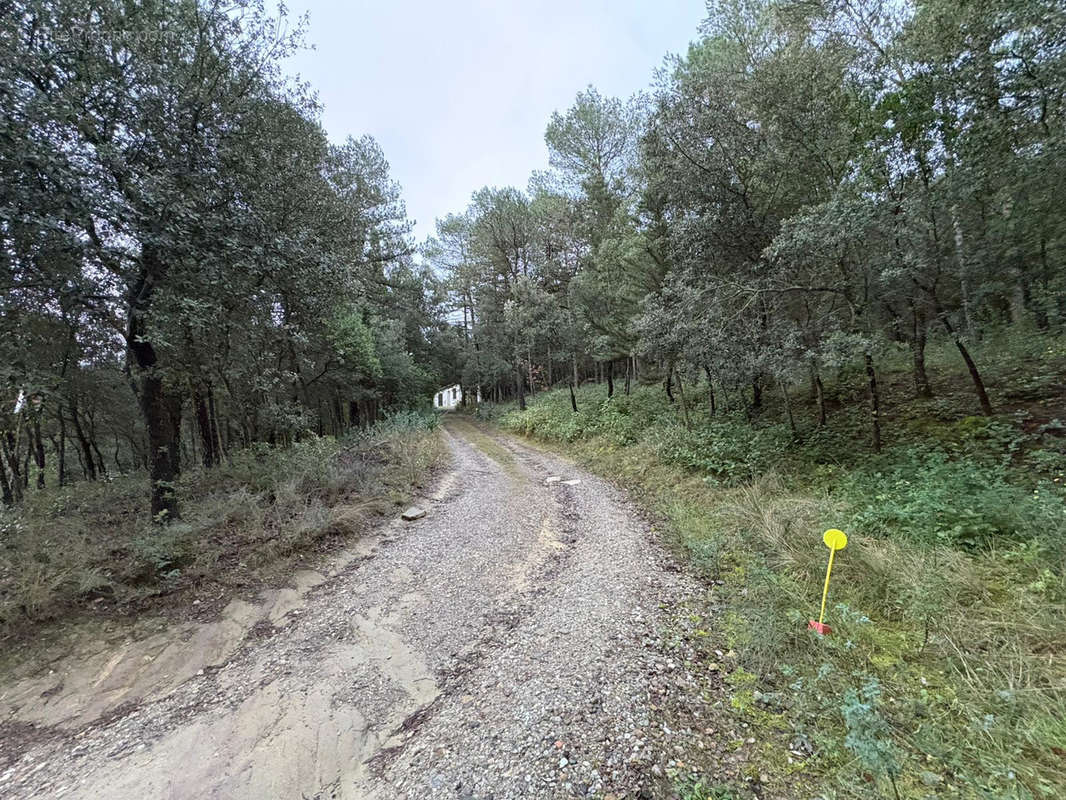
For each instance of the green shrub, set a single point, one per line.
(942, 675)
(67, 547)
(924, 495)
(727, 450)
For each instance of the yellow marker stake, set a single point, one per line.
(835, 540)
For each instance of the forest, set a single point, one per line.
(190, 265)
(808, 187)
(814, 275)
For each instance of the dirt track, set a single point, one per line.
(501, 646)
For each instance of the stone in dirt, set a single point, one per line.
(413, 513)
(553, 479)
(571, 482)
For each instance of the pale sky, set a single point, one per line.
(458, 92)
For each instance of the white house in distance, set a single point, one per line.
(450, 396)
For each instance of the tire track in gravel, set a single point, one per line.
(499, 647)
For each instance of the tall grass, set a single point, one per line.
(945, 674)
(90, 545)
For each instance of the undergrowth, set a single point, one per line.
(89, 546)
(945, 672)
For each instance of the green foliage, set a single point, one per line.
(868, 731)
(699, 790)
(925, 495)
(147, 244)
(729, 452)
(936, 678)
(249, 517)
(354, 343)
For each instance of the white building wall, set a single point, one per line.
(450, 396)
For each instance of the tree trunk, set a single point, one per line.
(529, 361)
(668, 383)
(61, 448)
(5, 486)
(819, 395)
(573, 399)
(26, 462)
(875, 400)
(203, 424)
(83, 442)
(518, 385)
(118, 464)
(610, 378)
(964, 272)
(157, 405)
(212, 410)
(756, 393)
(975, 376)
(788, 408)
(710, 389)
(38, 452)
(12, 459)
(100, 464)
(162, 466)
(628, 373)
(918, 339)
(684, 405)
(576, 381)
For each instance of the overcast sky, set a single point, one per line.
(458, 92)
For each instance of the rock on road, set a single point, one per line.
(500, 646)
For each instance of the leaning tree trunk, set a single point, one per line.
(573, 398)
(101, 465)
(975, 376)
(83, 441)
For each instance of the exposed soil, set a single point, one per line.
(507, 644)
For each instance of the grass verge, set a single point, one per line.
(945, 674)
(88, 548)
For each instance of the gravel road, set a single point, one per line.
(504, 645)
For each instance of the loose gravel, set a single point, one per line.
(507, 644)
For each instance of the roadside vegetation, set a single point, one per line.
(945, 673)
(190, 267)
(90, 549)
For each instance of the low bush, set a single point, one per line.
(944, 672)
(926, 495)
(90, 545)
